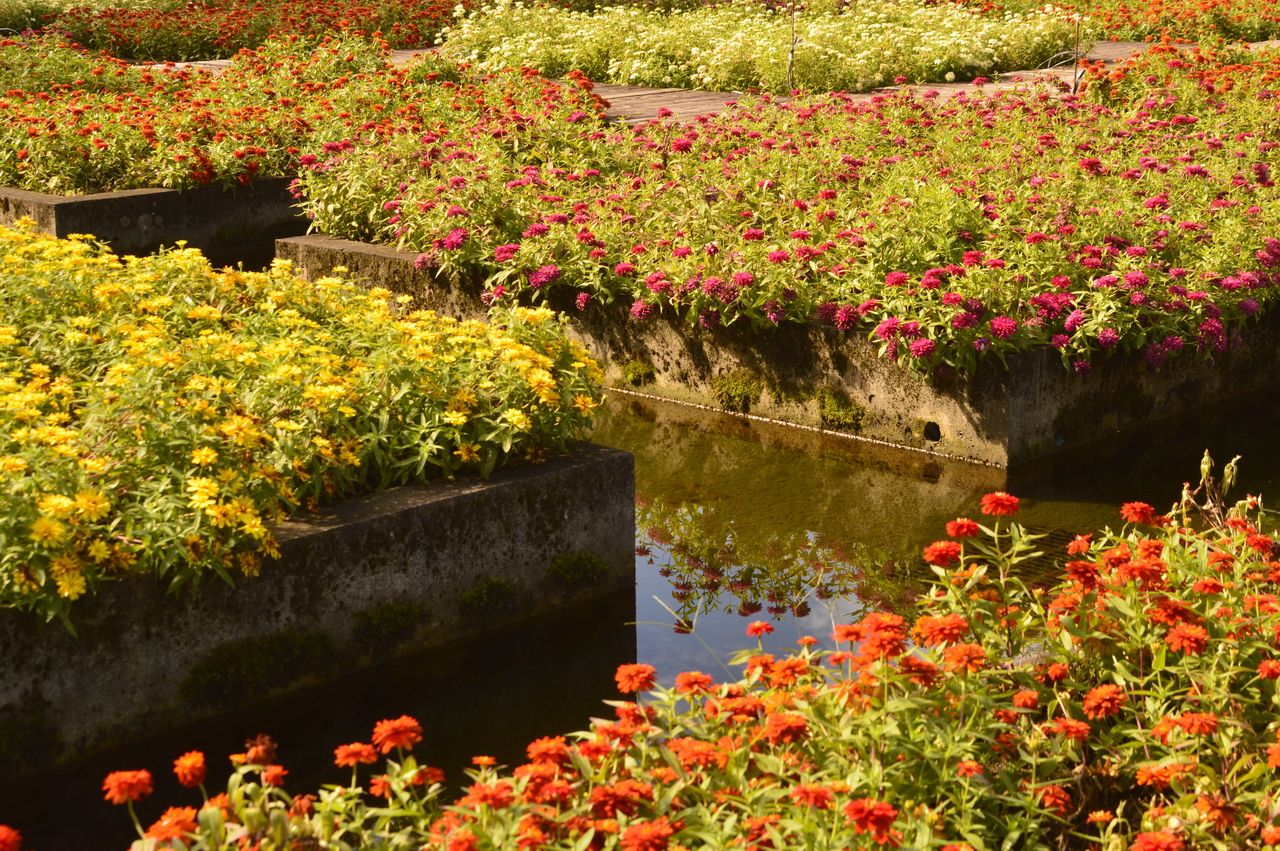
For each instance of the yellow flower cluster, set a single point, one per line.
(158, 416)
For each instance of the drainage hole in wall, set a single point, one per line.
(932, 432)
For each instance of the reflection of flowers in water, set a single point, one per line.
(713, 565)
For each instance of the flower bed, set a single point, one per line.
(747, 45)
(73, 123)
(158, 415)
(1132, 704)
(949, 230)
(182, 31)
(1186, 20)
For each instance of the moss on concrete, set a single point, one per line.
(489, 597)
(838, 411)
(637, 371)
(379, 629)
(238, 671)
(738, 390)
(577, 570)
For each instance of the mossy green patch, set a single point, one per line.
(838, 411)
(737, 390)
(577, 570)
(237, 671)
(637, 371)
(490, 596)
(379, 629)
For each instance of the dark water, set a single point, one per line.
(737, 520)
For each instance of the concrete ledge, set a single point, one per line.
(819, 376)
(371, 579)
(228, 225)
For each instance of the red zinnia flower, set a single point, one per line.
(1188, 638)
(968, 768)
(1269, 669)
(759, 628)
(1080, 545)
(1137, 512)
(124, 786)
(1026, 699)
(1000, 504)
(962, 527)
(548, 749)
(648, 836)
(273, 775)
(785, 727)
(1104, 701)
(1055, 798)
(1156, 841)
(942, 553)
(693, 681)
(348, 756)
(176, 823)
(811, 795)
(869, 815)
(402, 732)
(632, 678)
(190, 768)
(10, 839)
(1071, 728)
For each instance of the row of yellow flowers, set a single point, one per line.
(157, 415)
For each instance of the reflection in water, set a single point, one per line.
(713, 567)
(741, 519)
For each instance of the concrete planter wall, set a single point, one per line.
(820, 376)
(368, 580)
(228, 225)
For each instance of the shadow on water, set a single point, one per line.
(491, 695)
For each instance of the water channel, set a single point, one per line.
(737, 520)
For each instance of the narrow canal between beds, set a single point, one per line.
(736, 520)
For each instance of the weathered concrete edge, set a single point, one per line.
(228, 225)
(374, 578)
(1005, 417)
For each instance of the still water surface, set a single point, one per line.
(737, 520)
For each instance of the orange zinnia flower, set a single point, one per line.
(260, 751)
(1079, 545)
(1053, 797)
(947, 629)
(633, 678)
(1000, 504)
(1071, 728)
(962, 527)
(1137, 512)
(273, 775)
(1188, 638)
(942, 553)
(1104, 701)
(867, 815)
(1198, 723)
(402, 732)
(812, 795)
(648, 836)
(968, 768)
(1156, 841)
(785, 727)
(348, 756)
(10, 839)
(965, 658)
(548, 749)
(190, 769)
(124, 786)
(1217, 812)
(693, 681)
(1026, 699)
(176, 823)
(758, 628)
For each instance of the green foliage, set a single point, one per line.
(158, 415)
(738, 389)
(577, 570)
(239, 671)
(745, 45)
